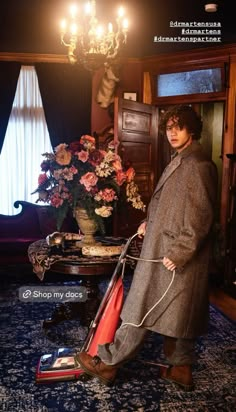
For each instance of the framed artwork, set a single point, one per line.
(130, 96)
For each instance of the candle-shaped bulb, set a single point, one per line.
(121, 12)
(125, 24)
(99, 31)
(73, 29)
(63, 25)
(88, 8)
(73, 10)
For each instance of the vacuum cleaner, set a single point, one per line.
(61, 365)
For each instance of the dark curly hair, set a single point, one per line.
(186, 117)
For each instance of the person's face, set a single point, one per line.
(178, 139)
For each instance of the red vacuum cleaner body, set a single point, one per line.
(62, 365)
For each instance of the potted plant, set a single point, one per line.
(88, 180)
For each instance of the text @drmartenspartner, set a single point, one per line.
(53, 294)
(192, 32)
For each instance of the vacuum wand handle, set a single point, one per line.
(115, 276)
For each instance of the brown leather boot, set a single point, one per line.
(94, 366)
(181, 375)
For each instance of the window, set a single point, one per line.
(26, 139)
(189, 82)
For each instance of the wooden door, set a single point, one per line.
(136, 133)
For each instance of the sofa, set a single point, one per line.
(17, 232)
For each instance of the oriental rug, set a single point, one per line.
(137, 388)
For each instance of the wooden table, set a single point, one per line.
(89, 275)
(70, 261)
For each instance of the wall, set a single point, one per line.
(130, 80)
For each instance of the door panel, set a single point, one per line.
(136, 134)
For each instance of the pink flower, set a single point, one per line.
(73, 170)
(56, 200)
(108, 195)
(83, 156)
(87, 141)
(89, 180)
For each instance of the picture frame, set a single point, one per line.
(130, 96)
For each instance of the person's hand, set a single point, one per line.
(142, 229)
(168, 264)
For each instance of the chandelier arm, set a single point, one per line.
(63, 41)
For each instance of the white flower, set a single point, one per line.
(104, 211)
(104, 170)
(134, 197)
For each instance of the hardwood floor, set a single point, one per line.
(223, 301)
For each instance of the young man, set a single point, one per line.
(178, 229)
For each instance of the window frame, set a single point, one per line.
(195, 97)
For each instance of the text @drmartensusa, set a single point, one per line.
(192, 32)
(53, 294)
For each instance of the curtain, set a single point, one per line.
(9, 73)
(26, 139)
(66, 92)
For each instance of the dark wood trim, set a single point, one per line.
(83, 269)
(47, 58)
(196, 57)
(189, 98)
(214, 55)
(33, 58)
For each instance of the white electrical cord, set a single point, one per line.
(162, 297)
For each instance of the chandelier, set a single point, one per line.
(87, 41)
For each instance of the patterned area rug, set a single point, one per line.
(137, 388)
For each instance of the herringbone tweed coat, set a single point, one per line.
(180, 218)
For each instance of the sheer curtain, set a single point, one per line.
(26, 139)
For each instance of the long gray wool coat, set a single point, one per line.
(180, 218)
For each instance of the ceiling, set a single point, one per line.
(32, 26)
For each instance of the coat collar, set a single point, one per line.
(193, 147)
(175, 163)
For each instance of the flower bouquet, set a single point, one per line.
(81, 175)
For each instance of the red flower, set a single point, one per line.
(86, 138)
(117, 165)
(96, 157)
(42, 178)
(45, 166)
(120, 177)
(74, 147)
(130, 173)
